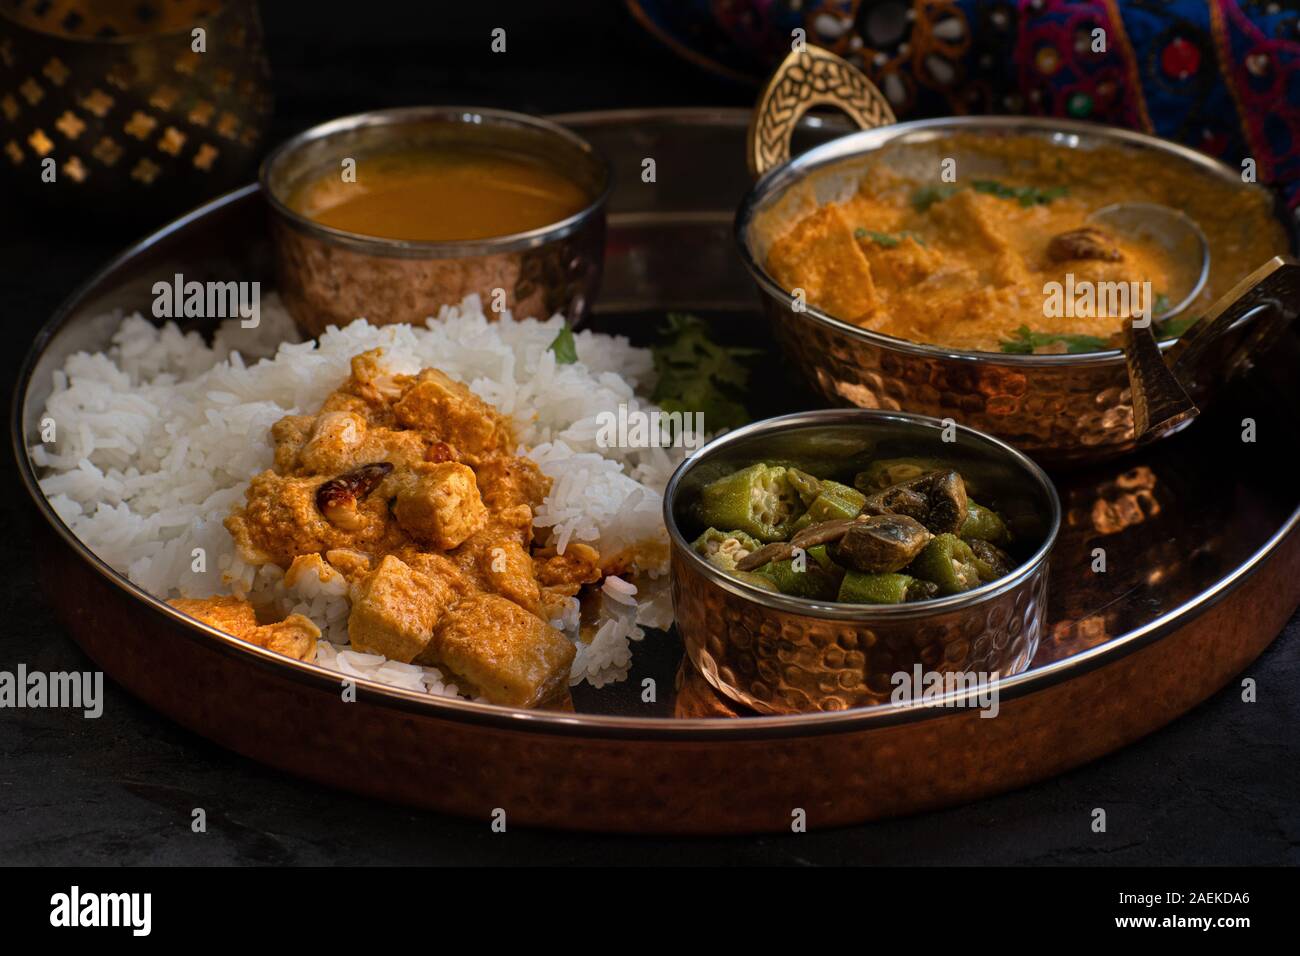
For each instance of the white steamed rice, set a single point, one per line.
(157, 438)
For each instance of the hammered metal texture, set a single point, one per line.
(783, 663)
(1057, 413)
(323, 283)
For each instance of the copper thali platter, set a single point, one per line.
(1201, 535)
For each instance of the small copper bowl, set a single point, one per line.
(328, 276)
(780, 654)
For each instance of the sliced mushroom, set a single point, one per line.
(937, 499)
(905, 498)
(776, 551)
(1086, 243)
(823, 532)
(809, 537)
(337, 498)
(880, 544)
(991, 561)
(807, 486)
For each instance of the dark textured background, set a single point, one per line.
(1218, 786)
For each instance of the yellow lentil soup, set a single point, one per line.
(450, 193)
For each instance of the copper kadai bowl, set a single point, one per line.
(1058, 408)
(783, 655)
(329, 276)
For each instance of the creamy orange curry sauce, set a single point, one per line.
(407, 487)
(966, 264)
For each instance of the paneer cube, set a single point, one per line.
(508, 570)
(333, 440)
(437, 566)
(395, 609)
(224, 612)
(505, 481)
(501, 651)
(439, 505)
(496, 560)
(295, 636)
(447, 409)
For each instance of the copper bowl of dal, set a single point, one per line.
(332, 275)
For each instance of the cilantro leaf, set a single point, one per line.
(1025, 195)
(927, 196)
(886, 240)
(1051, 192)
(1173, 328)
(1025, 341)
(993, 188)
(564, 347)
(695, 374)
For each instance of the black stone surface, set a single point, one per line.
(1219, 785)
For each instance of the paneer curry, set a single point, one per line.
(966, 262)
(409, 489)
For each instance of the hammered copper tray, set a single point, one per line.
(1200, 534)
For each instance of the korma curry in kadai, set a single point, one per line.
(407, 488)
(968, 264)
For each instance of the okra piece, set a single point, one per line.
(985, 524)
(756, 579)
(811, 582)
(949, 562)
(834, 502)
(806, 486)
(723, 549)
(888, 588)
(758, 500)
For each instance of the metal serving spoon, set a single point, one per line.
(1174, 231)
(1159, 401)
